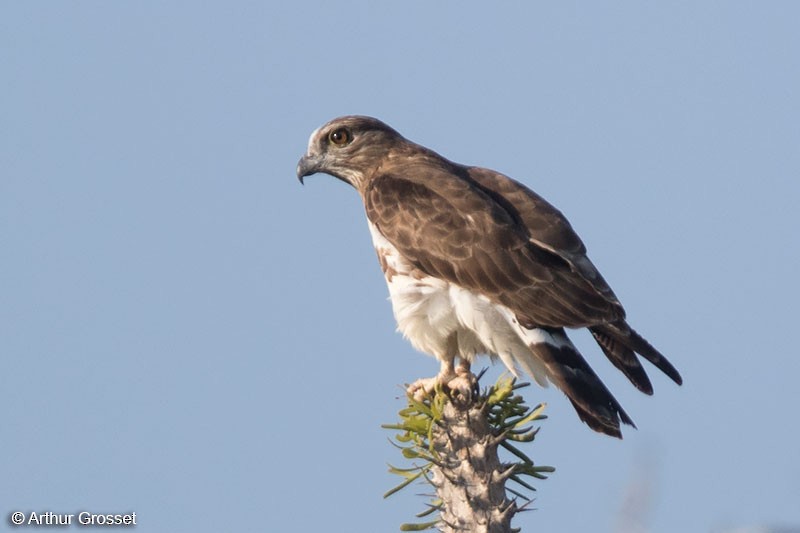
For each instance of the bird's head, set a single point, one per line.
(348, 148)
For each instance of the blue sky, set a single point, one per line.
(188, 333)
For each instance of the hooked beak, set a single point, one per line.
(308, 164)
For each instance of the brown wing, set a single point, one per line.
(451, 226)
(548, 228)
(545, 224)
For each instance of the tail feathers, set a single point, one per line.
(624, 359)
(570, 372)
(623, 334)
(646, 350)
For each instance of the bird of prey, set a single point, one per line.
(477, 263)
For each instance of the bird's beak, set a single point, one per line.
(308, 164)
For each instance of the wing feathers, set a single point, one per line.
(453, 230)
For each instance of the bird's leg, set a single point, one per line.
(464, 383)
(425, 386)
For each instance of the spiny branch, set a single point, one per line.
(454, 444)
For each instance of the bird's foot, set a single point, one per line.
(459, 383)
(425, 387)
(464, 386)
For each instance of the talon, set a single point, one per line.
(426, 386)
(459, 381)
(463, 387)
(422, 388)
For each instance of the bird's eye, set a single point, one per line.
(340, 137)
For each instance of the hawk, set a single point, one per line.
(477, 263)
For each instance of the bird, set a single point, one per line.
(477, 263)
